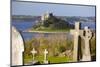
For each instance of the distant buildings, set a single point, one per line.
(46, 15)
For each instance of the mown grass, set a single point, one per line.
(51, 59)
(59, 59)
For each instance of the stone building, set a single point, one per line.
(46, 15)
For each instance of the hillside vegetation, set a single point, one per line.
(52, 24)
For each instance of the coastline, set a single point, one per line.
(34, 31)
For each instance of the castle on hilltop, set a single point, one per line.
(46, 15)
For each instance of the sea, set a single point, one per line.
(22, 25)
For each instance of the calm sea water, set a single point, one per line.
(23, 25)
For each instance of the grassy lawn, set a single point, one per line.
(51, 59)
(59, 59)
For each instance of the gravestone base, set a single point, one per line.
(35, 62)
(45, 62)
(86, 58)
(31, 63)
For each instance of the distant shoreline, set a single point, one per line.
(69, 18)
(33, 31)
(53, 31)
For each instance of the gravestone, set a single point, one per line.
(17, 47)
(76, 32)
(79, 34)
(45, 56)
(33, 53)
(87, 36)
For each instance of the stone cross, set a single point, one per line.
(76, 32)
(45, 56)
(17, 46)
(33, 52)
(87, 36)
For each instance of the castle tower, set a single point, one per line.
(46, 15)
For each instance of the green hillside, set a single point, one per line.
(52, 24)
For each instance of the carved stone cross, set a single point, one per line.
(33, 52)
(45, 56)
(76, 32)
(87, 36)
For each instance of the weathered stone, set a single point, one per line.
(17, 47)
(87, 36)
(33, 52)
(45, 56)
(76, 34)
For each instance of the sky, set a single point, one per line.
(38, 9)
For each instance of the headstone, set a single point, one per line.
(76, 32)
(17, 47)
(87, 36)
(45, 56)
(33, 52)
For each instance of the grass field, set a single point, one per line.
(56, 47)
(51, 59)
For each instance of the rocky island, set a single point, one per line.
(50, 23)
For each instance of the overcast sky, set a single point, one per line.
(34, 9)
